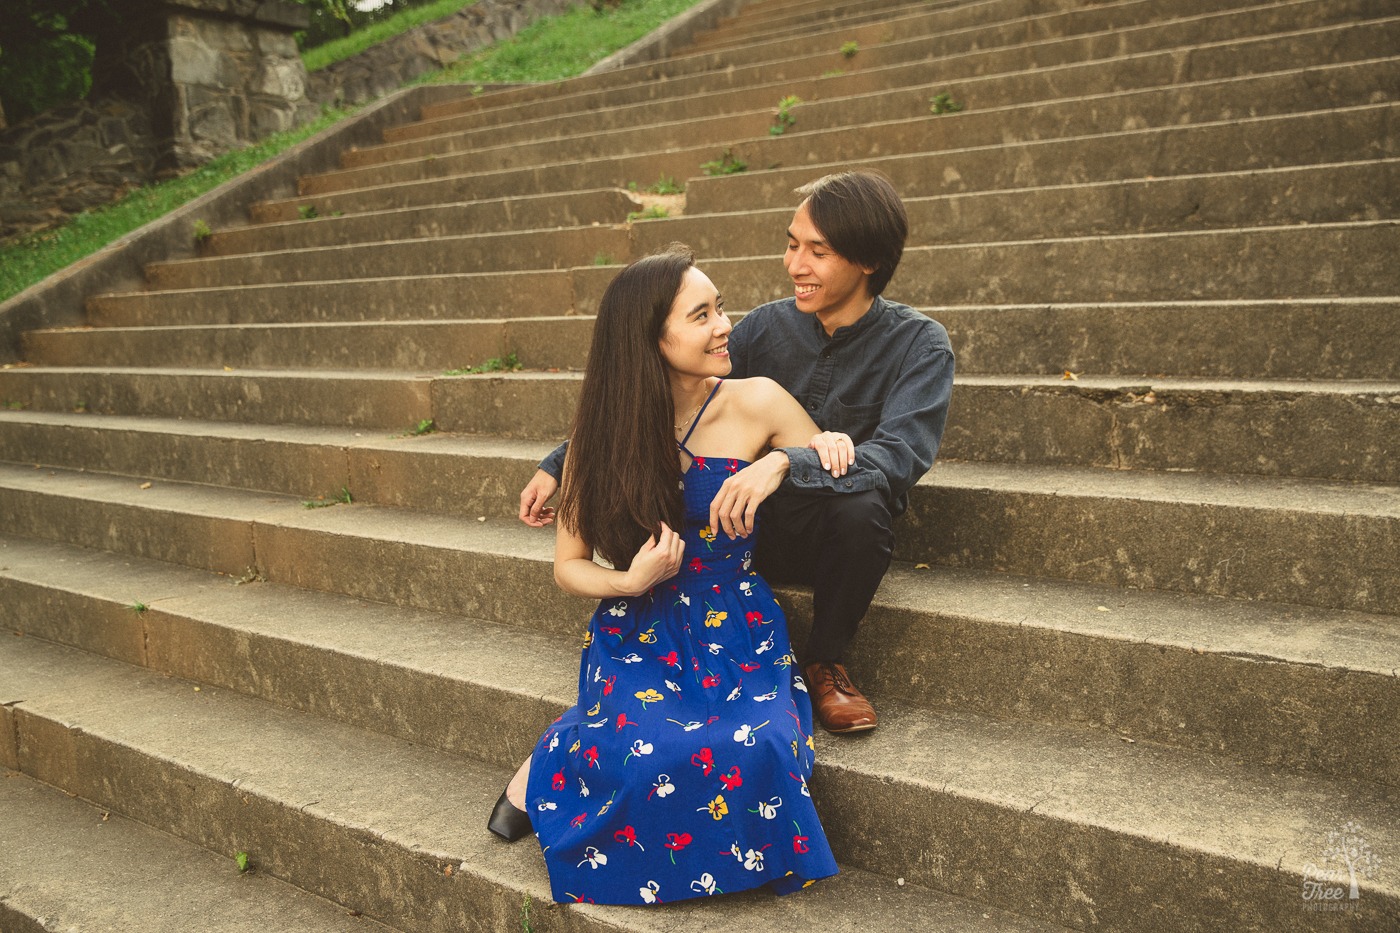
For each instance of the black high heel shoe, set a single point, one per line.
(508, 821)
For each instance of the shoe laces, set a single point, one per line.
(835, 676)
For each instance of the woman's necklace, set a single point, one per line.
(681, 427)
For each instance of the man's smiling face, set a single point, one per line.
(825, 283)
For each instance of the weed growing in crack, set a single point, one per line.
(726, 164)
(783, 115)
(943, 103)
(497, 364)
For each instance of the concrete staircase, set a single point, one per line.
(1137, 660)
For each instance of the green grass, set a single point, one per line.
(340, 49)
(32, 258)
(562, 46)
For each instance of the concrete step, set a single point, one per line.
(1273, 265)
(513, 251)
(1310, 88)
(1299, 339)
(889, 93)
(1309, 194)
(1335, 430)
(1294, 195)
(761, 23)
(1335, 192)
(281, 220)
(437, 297)
(1284, 141)
(1005, 647)
(1331, 545)
(1319, 136)
(974, 43)
(1343, 260)
(1328, 339)
(1341, 431)
(384, 806)
(73, 866)
(539, 343)
(898, 91)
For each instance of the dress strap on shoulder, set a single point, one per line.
(698, 415)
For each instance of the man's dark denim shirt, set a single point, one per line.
(885, 380)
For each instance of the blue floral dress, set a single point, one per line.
(683, 769)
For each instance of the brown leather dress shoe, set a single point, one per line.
(839, 706)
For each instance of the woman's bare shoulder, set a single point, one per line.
(755, 392)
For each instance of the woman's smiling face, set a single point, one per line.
(696, 339)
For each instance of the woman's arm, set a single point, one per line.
(576, 572)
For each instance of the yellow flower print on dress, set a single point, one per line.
(717, 807)
(708, 535)
(715, 618)
(648, 695)
(649, 636)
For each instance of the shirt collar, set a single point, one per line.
(877, 309)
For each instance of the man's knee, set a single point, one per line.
(860, 521)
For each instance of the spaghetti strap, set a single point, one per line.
(696, 423)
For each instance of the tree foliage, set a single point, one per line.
(46, 51)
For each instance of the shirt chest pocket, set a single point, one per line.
(859, 421)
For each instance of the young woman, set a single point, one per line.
(682, 771)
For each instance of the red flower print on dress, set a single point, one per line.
(710, 680)
(705, 760)
(699, 463)
(591, 756)
(732, 466)
(628, 835)
(675, 842)
(748, 667)
(577, 821)
(608, 685)
(622, 720)
(755, 619)
(670, 659)
(732, 779)
(799, 841)
(697, 565)
(558, 780)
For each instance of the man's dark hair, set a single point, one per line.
(862, 218)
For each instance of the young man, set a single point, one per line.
(874, 374)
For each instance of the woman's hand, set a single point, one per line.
(659, 559)
(734, 506)
(836, 451)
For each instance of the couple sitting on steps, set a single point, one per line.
(705, 460)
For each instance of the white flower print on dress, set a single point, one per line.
(649, 893)
(593, 857)
(705, 883)
(662, 786)
(768, 810)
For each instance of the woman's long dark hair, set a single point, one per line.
(621, 476)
